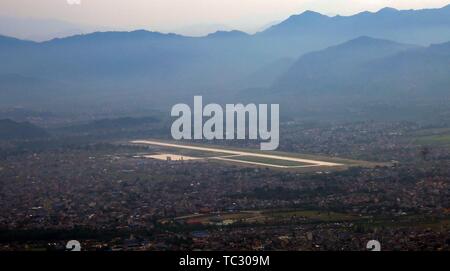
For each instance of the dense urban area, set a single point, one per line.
(84, 182)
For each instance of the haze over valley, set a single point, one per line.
(365, 57)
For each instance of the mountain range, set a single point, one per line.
(382, 55)
(11, 130)
(41, 29)
(365, 71)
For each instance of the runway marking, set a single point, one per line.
(261, 164)
(241, 153)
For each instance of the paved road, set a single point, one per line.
(231, 152)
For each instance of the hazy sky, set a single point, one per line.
(170, 15)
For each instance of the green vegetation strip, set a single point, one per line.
(276, 162)
(434, 140)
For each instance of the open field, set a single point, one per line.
(263, 216)
(433, 137)
(300, 216)
(434, 140)
(278, 160)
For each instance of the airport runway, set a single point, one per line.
(232, 152)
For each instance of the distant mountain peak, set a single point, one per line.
(387, 10)
(308, 15)
(364, 38)
(6, 40)
(311, 13)
(115, 35)
(232, 33)
(367, 39)
(299, 20)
